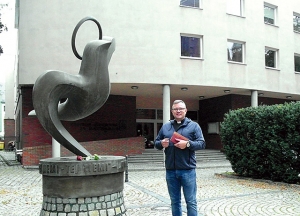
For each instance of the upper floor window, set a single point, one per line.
(235, 51)
(297, 63)
(296, 22)
(235, 7)
(271, 57)
(191, 46)
(270, 13)
(190, 3)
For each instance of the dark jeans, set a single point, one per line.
(187, 180)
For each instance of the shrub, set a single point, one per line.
(264, 141)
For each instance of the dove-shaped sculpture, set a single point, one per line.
(83, 94)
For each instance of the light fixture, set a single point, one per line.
(226, 91)
(184, 88)
(260, 94)
(134, 87)
(288, 97)
(201, 97)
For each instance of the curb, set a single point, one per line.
(258, 180)
(10, 162)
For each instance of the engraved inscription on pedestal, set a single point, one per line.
(67, 177)
(68, 166)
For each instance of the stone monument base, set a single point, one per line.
(83, 188)
(111, 204)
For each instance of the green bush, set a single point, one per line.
(264, 142)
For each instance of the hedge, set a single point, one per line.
(264, 142)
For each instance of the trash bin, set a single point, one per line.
(1, 145)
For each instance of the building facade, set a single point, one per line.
(2, 111)
(215, 55)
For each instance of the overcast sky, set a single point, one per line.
(7, 39)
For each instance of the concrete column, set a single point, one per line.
(166, 103)
(254, 98)
(55, 144)
(55, 148)
(166, 109)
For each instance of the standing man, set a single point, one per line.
(180, 160)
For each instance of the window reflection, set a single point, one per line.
(190, 3)
(296, 22)
(234, 7)
(269, 14)
(297, 63)
(234, 51)
(270, 58)
(190, 46)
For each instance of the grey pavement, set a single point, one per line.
(146, 194)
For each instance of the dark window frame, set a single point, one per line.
(271, 58)
(190, 3)
(296, 22)
(269, 20)
(191, 46)
(237, 52)
(297, 63)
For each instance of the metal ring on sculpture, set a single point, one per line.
(75, 32)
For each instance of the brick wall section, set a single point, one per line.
(116, 147)
(109, 131)
(116, 119)
(9, 131)
(33, 134)
(213, 110)
(32, 155)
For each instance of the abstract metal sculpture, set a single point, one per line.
(83, 94)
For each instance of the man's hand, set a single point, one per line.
(165, 142)
(181, 144)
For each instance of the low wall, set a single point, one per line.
(116, 147)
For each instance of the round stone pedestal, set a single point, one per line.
(83, 188)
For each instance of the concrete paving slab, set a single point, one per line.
(145, 193)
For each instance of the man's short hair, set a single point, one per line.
(179, 101)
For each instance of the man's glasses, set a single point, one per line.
(178, 109)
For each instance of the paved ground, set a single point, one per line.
(145, 193)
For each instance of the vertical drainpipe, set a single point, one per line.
(254, 98)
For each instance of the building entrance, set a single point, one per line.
(148, 123)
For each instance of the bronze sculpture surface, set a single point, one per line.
(83, 94)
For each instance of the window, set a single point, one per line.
(297, 63)
(235, 51)
(296, 22)
(191, 46)
(270, 14)
(271, 57)
(190, 3)
(213, 127)
(235, 7)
